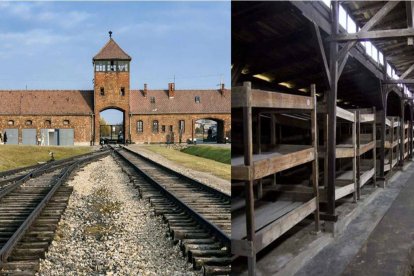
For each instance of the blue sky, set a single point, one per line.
(49, 45)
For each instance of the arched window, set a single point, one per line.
(66, 122)
(48, 122)
(29, 123)
(140, 126)
(10, 123)
(155, 126)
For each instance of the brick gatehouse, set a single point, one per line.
(72, 117)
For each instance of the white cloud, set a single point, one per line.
(43, 13)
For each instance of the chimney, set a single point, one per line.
(145, 92)
(222, 88)
(171, 90)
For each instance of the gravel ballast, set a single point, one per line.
(107, 230)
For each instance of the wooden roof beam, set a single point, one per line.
(373, 35)
(344, 52)
(321, 52)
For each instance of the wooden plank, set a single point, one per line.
(265, 213)
(340, 192)
(367, 175)
(281, 158)
(322, 52)
(242, 248)
(285, 119)
(273, 231)
(363, 148)
(373, 35)
(345, 114)
(345, 151)
(366, 118)
(261, 98)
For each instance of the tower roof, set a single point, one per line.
(111, 50)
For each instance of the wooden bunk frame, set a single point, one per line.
(366, 169)
(263, 222)
(391, 143)
(346, 182)
(406, 146)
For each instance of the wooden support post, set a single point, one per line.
(331, 149)
(354, 159)
(315, 167)
(402, 134)
(391, 142)
(383, 133)
(374, 150)
(248, 161)
(358, 156)
(259, 134)
(273, 138)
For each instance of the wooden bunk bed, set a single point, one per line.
(346, 150)
(277, 208)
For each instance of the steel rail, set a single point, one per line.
(207, 225)
(7, 249)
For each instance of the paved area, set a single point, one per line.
(388, 248)
(334, 258)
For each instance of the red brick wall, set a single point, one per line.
(112, 83)
(147, 136)
(80, 124)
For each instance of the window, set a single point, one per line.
(140, 126)
(155, 126)
(112, 65)
(197, 99)
(152, 99)
(381, 58)
(48, 122)
(28, 123)
(102, 91)
(327, 3)
(163, 128)
(181, 126)
(388, 69)
(10, 123)
(351, 28)
(374, 53)
(66, 122)
(368, 46)
(171, 128)
(122, 91)
(342, 17)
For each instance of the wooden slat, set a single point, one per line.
(345, 114)
(284, 157)
(363, 179)
(262, 98)
(366, 118)
(273, 231)
(363, 148)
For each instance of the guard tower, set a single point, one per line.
(111, 84)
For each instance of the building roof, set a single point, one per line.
(78, 102)
(111, 50)
(46, 102)
(211, 101)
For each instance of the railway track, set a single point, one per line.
(30, 209)
(198, 216)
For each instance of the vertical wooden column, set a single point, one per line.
(331, 106)
(315, 165)
(383, 133)
(358, 157)
(273, 138)
(374, 150)
(259, 151)
(248, 161)
(391, 142)
(402, 134)
(354, 159)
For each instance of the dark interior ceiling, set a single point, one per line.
(275, 40)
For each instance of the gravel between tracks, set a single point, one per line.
(107, 230)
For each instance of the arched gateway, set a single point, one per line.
(72, 117)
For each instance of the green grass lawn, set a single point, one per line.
(219, 154)
(193, 162)
(16, 156)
